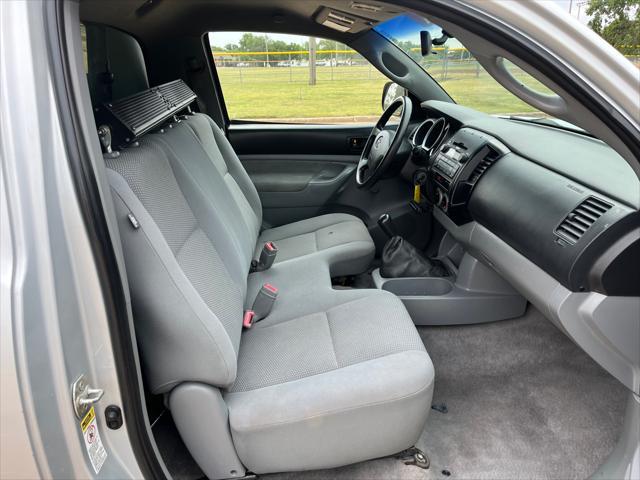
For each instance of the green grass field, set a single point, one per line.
(347, 91)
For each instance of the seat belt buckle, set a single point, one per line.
(267, 257)
(263, 304)
(248, 319)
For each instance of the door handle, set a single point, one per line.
(356, 144)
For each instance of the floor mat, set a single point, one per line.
(522, 402)
(174, 452)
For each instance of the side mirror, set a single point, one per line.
(390, 92)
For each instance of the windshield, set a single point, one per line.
(458, 72)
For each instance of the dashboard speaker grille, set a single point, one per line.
(581, 218)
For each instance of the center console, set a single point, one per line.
(470, 291)
(458, 166)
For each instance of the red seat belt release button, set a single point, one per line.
(270, 288)
(247, 320)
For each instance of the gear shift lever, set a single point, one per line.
(401, 259)
(386, 225)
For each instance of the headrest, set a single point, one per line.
(116, 67)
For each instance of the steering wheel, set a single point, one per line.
(382, 145)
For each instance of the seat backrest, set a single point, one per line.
(217, 146)
(189, 219)
(186, 261)
(229, 219)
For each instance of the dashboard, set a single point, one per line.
(565, 201)
(553, 212)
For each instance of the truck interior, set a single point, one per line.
(433, 292)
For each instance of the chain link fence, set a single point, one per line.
(294, 66)
(249, 67)
(341, 85)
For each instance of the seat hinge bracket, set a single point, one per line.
(414, 456)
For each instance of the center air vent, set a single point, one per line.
(575, 225)
(488, 160)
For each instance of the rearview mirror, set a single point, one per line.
(425, 43)
(390, 92)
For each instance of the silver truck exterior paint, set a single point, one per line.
(53, 317)
(53, 325)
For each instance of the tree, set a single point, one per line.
(251, 43)
(618, 22)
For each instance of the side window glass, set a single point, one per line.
(295, 79)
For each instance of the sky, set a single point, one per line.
(220, 39)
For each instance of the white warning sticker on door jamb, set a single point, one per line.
(92, 441)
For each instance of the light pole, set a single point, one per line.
(581, 3)
(312, 60)
(266, 48)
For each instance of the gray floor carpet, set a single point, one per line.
(523, 402)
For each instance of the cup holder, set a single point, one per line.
(418, 287)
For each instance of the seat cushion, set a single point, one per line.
(330, 388)
(342, 239)
(304, 288)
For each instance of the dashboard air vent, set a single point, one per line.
(488, 160)
(580, 219)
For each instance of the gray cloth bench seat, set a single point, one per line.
(330, 388)
(341, 239)
(330, 377)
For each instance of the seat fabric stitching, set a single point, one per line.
(194, 229)
(333, 343)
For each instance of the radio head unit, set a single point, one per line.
(450, 159)
(458, 166)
